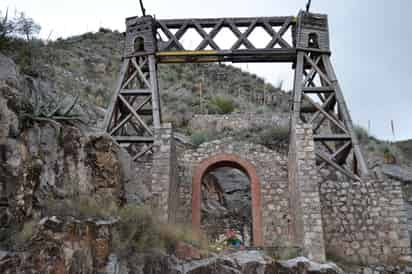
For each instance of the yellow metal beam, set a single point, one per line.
(187, 53)
(183, 59)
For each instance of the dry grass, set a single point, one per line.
(139, 229)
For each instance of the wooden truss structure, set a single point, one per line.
(134, 112)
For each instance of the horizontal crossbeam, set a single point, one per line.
(133, 139)
(172, 32)
(239, 22)
(280, 55)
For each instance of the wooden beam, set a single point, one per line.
(277, 36)
(213, 33)
(133, 139)
(113, 101)
(346, 117)
(207, 39)
(131, 109)
(141, 74)
(155, 92)
(318, 70)
(342, 153)
(329, 116)
(325, 158)
(242, 37)
(129, 116)
(325, 104)
(332, 137)
(315, 90)
(141, 153)
(135, 92)
(239, 22)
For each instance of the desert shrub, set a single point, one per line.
(80, 207)
(389, 152)
(88, 35)
(279, 252)
(199, 137)
(104, 30)
(262, 109)
(139, 229)
(362, 134)
(221, 105)
(270, 137)
(14, 236)
(273, 135)
(28, 231)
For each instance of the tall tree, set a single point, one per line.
(7, 25)
(26, 26)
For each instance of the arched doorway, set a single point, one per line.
(228, 160)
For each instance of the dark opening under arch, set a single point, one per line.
(229, 160)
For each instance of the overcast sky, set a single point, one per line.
(370, 39)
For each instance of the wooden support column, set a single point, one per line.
(155, 92)
(344, 112)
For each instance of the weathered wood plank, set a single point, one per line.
(346, 116)
(318, 90)
(131, 109)
(155, 92)
(135, 92)
(113, 101)
(133, 139)
(325, 158)
(129, 116)
(332, 137)
(141, 153)
(239, 21)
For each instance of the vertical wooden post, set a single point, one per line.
(155, 91)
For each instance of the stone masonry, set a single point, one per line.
(304, 196)
(164, 185)
(271, 168)
(364, 222)
(294, 204)
(237, 121)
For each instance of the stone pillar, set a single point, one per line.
(164, 173)
(304, 189)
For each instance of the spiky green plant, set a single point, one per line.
(51, 111)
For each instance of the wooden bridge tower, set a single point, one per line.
(134, 112)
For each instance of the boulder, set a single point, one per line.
(8, 71)
(397, 172)
(186, 251)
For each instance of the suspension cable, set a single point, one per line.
(308, 5)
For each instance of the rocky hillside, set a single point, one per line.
(88, 65)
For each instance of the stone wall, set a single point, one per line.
(271, 168)
(304, 198)
(364, 222)
(164, 185)
(238, 121)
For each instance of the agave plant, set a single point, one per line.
(51, 111)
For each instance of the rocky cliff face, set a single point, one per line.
(226, 203)
(46, 163)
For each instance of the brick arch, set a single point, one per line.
(234, 161)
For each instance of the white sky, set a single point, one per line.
(370, 40)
